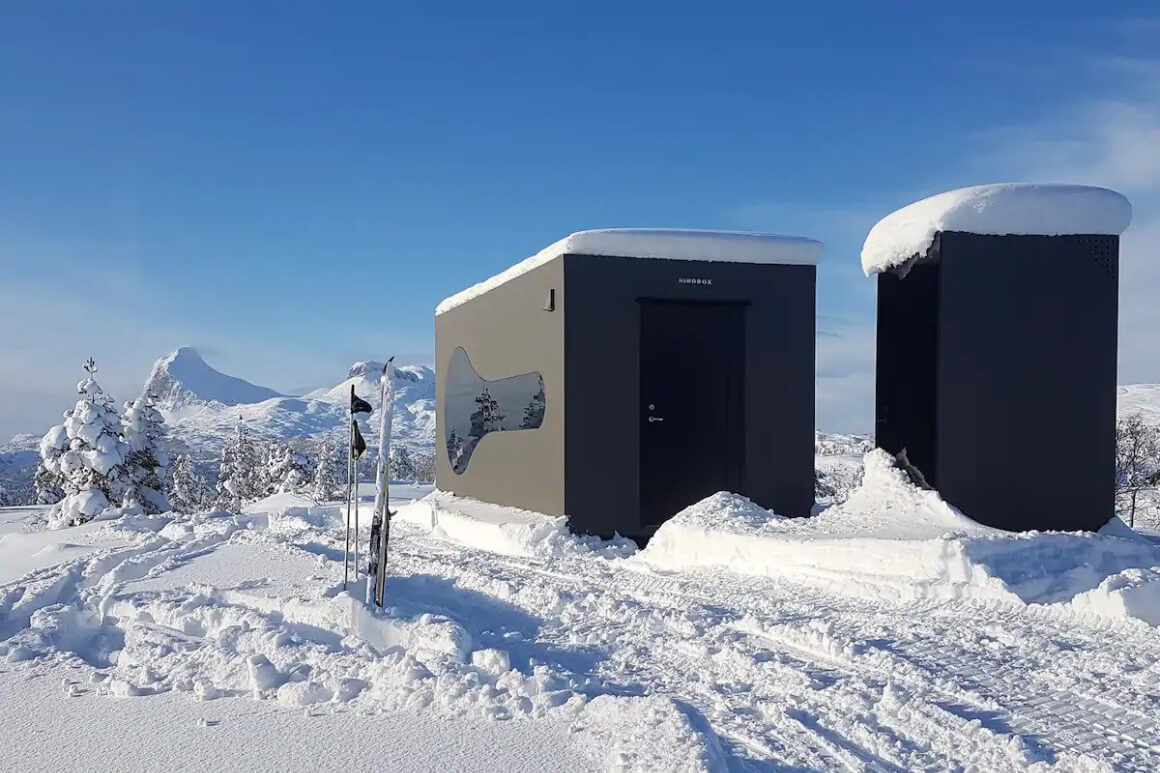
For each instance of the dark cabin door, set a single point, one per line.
(692, 405)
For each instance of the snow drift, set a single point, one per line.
(500, 529)
(891, 539)
(1000, 209)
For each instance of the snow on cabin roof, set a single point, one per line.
(659, 243)
(997, 210)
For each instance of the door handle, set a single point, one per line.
(651, 419)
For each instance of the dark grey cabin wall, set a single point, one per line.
(1011, 342)
(602, 377)
(907, 366)
(1027, 379)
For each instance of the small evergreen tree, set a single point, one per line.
(264, 480)
(92, 467)
(325, 485)
(239, 476)
(188, 492)
(400, 465)
(284, 469)
(143, 430)
(424, 465)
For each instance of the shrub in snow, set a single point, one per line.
(188, 492)
(239, 476)
(1137, 462)
(143, 430)
(325, 485)
(88, 456)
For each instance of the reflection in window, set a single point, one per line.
(473, 407)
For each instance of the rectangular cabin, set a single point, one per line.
(619, 376)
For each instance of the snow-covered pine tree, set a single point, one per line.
(326, 484)
(48, 488)
(285, 469)
(265, 480)
(92, 467)
(143, 430)
(228, 494)
(401, 466)
(48, 482)
(188, 492)
(239, 473)
(424, 465)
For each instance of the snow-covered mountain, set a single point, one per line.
(183, 377)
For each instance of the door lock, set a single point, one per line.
(651, 419)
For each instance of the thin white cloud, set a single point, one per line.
(1113, 142)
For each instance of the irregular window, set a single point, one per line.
(474, 406)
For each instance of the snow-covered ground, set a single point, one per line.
(890, 633)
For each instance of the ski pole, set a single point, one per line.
(356, 519)
(349, 463)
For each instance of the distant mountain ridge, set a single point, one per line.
(202, 406)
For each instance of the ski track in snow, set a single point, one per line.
(693, 670)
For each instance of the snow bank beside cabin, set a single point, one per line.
(892, 540)
(500, 529)
(658, 243)
(1000, 209)
(506, 530)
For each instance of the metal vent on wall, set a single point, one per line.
(1103, 252)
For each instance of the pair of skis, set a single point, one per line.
(380, 522)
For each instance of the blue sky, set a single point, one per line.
(292, 186)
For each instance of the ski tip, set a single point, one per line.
(387, 364)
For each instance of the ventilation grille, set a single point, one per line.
(1104, 252)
